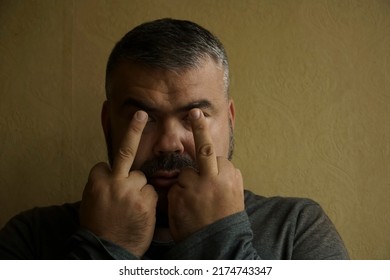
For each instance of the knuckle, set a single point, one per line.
(101, 166)
(137, 174)
(138, 177)
(136, 129)
(150, 192)
(98, 169)
(238, 173)
(94, 188)
(142, 208)
(206, 150)
(126, 152)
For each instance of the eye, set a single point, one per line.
(186, 123)
(186, 119)
(151, 119)
(206, 115)
(151, 124)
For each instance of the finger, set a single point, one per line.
(149, 192)
(98, 175)
(188, 176)
(129, 145)
(205, 153)
(137, 179)
(100, 171)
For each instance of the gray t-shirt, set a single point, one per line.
(269, 228)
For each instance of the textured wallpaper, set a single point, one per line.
(310, 80)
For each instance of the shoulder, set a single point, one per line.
(255, 203)
(67, 213)
(56, 219)
(292, 228)
(39, 232)
(286, 214)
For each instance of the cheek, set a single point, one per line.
(220, 138)
(144, 152)
(189, 144)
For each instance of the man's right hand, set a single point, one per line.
(119, 205)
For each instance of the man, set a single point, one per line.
(170, 191)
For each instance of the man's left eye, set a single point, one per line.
(206, 115)
(151, 119)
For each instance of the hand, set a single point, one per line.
(201, 198)
(117, 205)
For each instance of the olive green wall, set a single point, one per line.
(310, 78)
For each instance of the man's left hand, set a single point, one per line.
(203, 197)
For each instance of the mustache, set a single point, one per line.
(169, 162)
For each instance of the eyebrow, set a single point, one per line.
(201, 104)
(139, 104)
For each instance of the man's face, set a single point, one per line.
(167, 143)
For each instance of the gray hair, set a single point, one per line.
(168, 44)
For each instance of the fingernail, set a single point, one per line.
(195, 114)
(141, 116)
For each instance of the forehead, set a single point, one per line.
(167, 86)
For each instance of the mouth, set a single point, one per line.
(163, 179)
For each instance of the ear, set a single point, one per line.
(105, 119)
(232, 112)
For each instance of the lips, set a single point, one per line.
(164, 178)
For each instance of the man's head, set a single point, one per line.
(166, 68)
(168, 44)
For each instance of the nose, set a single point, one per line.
(169, 139)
